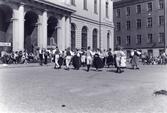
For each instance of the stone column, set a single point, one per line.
(18, 28)
(42, 30)
(15, 31)
(40, 35)
(61, 33)
(68, 33)
(21, 26)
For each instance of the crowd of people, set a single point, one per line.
(18, 57)
(152, 60)
(82, 58)
(85, 58)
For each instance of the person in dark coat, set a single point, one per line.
(134, 61)
(61, 59)
(76, 60)
(110, 58)
(97, 61)
(41, 56)
(46, 54)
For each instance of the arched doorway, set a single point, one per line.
(94, 39)
(52, 31)
(108, 41)
(6, 30)
(30, 31)
(84, 37)
(73, 36)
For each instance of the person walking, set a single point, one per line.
(61, 59)
(110, 58)
(56, 56)
(104, 57)
(134, 61)
(46, 54)
(68, 58)
(119, 59)
(76, 60)
(41, 56)
(88, 58)
(97, 61)
(83, 58)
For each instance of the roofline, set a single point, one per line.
(124, 3)
(56, 6)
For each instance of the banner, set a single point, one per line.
(3, 44)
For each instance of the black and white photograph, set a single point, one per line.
(83, 56)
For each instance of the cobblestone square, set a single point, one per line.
(45, 90)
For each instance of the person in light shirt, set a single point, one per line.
(120, 59)
(88, 58)
(56, 55)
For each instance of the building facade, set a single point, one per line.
(93, 23)
(140, 24)
(28, 24)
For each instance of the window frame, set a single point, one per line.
(107, 9)
(138, 11)
(149, 9)
(150, 38)
(149, 22)
(139, 39)
(95, 7)
(128, 11)
(85, 5)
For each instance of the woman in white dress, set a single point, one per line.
(120, 59)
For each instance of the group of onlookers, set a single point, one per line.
(17, 57)
(152, 60)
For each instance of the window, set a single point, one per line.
(84, 37)
(128, 25)
(73, 2)
(138, 9)
(149, 22)
(161, 20)
(95, 6)
(107, 16)
(128, 11)
(138, 23)
(161, 51)
(85, 5)
(73, 36)
(161, 37)
(94, 39)
(150, 38)
(118, 40)
(118, 13)
(161, 4)
(138, 40)
(108, 41)
(128, 53)
(150, 52)
(149, 6)
(128, 40)
(118, 26)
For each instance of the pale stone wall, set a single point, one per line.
(91, 20)
(80, 18)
